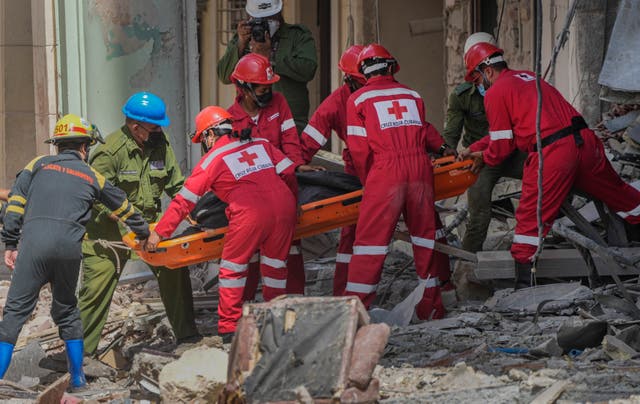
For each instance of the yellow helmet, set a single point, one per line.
(73, 128)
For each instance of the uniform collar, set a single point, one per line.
(381, 79)
(70, 153)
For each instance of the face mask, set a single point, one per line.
(481, 89)
(273, 27)
(263, 100)
(155, 139)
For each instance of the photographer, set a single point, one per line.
(289, 47)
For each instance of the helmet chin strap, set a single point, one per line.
(485, 81)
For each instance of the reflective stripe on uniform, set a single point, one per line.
(283, 165)
(501, 134)
(232, 266)
(233, 283)
(522, 239)
(288, 124)
(382, 93)
(254, 258)
(634, 212)
(272, 262)
(274, 283)
(17, 198)
(188, 195)
(128, 214)
(356, 131)
(429, 282)
(217, 152)
(422, 242)
(343, 258)
(315, 134)
(15, 209)
(122, 208)
(370, 249)
(360, 287)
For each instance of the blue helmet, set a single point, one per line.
(146, 107)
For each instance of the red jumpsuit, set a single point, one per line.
(332, 115)
(248, 176)
(275, 123)
(389, 138)
(510, 104)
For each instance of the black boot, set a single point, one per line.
(523, 275)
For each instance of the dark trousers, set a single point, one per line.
(43, 258)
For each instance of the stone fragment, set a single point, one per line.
(581, 334)
(199, 375)
(616, 349)
(367, 349)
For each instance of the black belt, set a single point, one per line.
(577, 124)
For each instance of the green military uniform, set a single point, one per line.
(144, 176)
(466, 111)
(293, 58)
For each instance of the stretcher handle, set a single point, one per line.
(130, 238)
(449, 163)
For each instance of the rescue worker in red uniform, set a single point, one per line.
(389, 138)
(332, 115)
(267, 114)
(573, 155)
(247, 174)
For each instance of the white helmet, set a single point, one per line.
(263, 8)
(478, 37)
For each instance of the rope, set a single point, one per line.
(112, 245)
(538, 68)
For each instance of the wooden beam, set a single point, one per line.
(552, 263)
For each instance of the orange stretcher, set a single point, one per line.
(451, 179)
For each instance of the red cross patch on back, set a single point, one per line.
(400, 112)
(247, 161)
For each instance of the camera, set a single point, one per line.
(259, 26)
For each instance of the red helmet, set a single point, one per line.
(349, 62)
(254, 69)
(208, 118)
(478, 54)
(374, 57)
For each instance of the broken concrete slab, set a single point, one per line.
(199, 375)
(148, 365)
(616, 349)
(553, 263)
(559, 295)
(631, 336)
(26, 363)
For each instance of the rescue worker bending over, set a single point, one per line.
(267, 115)
(49, 205)
(389, 138)
(248, 175)
(138, 159)
(573, 155)
(331, 115)
(289, 47)
(466, 110)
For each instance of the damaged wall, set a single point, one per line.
(125, 47)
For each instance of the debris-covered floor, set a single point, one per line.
(558, 342)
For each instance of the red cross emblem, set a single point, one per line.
(248, 158)
(397, 110)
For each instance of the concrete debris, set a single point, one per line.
(558, 295)
(617, 350)
(199, 375)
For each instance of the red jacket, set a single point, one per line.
(386, 118)
(511, 104)
(275, 123)
(330, 115)
(231, 169)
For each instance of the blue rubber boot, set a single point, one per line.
(6, 350)
(75, 354)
